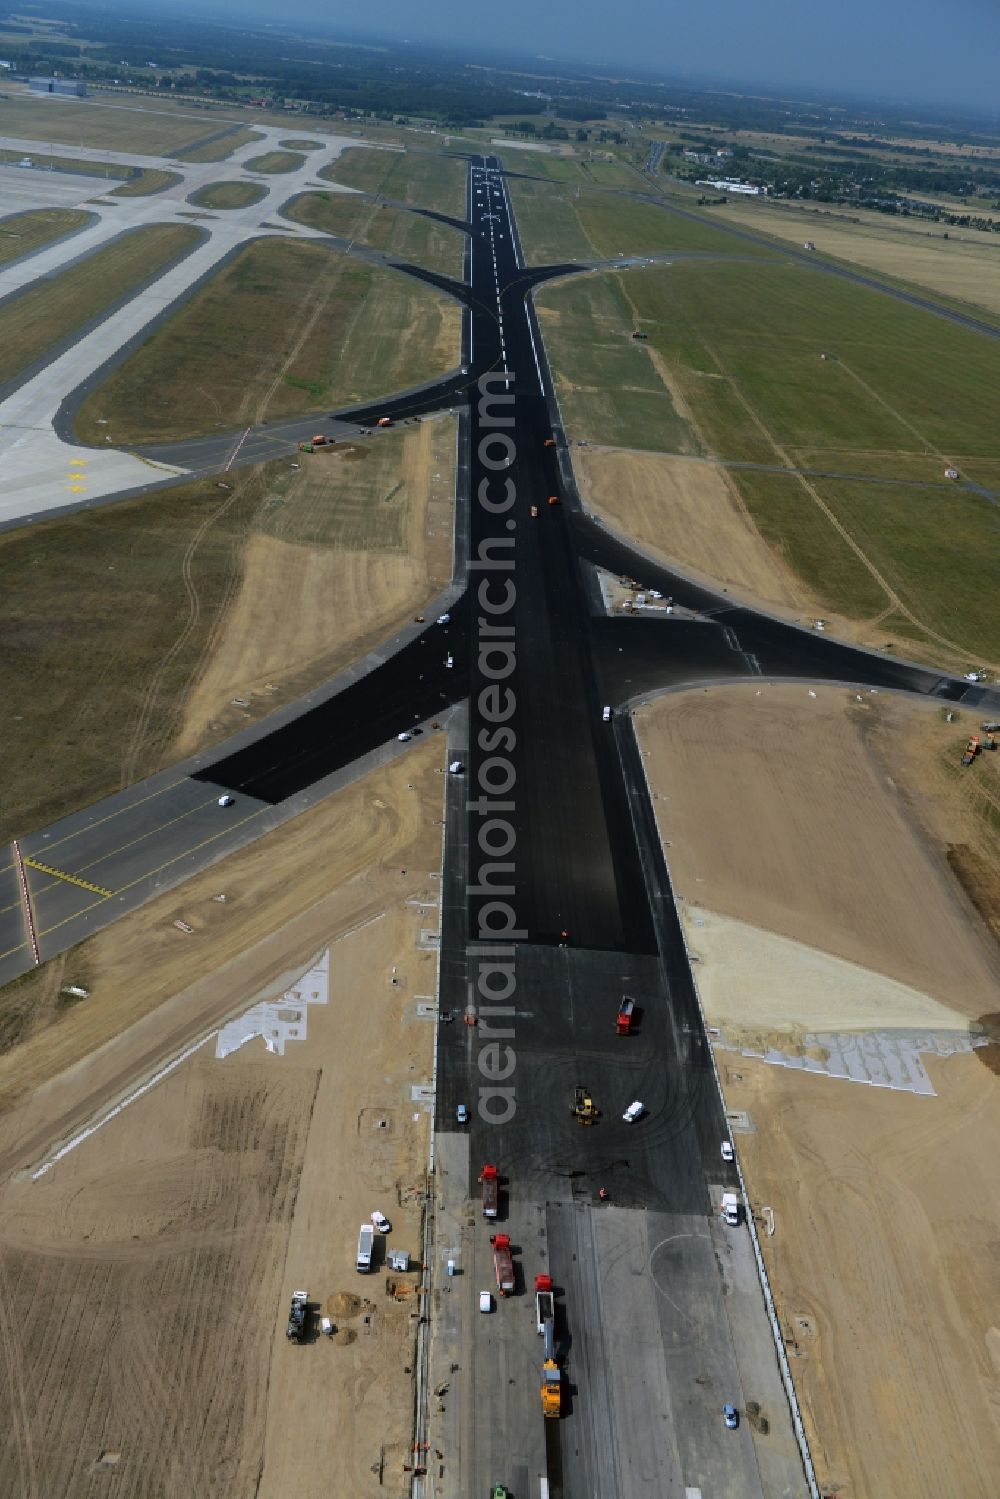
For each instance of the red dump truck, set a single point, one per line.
(489, 1180)
(626, 1016)
(503, 1263)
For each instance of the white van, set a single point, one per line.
(365, 1240)
(606, 714)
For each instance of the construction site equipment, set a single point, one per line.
(625, 1018)
(326, 1327)
(545, 1303)
(380, 1223)
(305, 447)
(553, 499)
(639, 335)
(489, 1180)
(971, 750)
(366, 1240)
(583, 1107)
(951, 473)
(398, 1260)
(730, 1209)
(384, 421)
(503, 1263)
(549, 442)
(319, 441)
(296, 1329)
(551, 1390)
(534, 512)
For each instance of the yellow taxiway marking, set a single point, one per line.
(77, 488)
(78, 462)
(149, 873)
(71, 879)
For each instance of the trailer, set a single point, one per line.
(503, 1263)
(489, 1180)
(297, 1317)
(545, 1303)
(626, 1016)
(366, 1241)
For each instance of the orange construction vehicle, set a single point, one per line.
(553, 499)
(971, 750)
(384, 421)
(320, 441)
(549, 442)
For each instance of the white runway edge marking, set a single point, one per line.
(151, 1082)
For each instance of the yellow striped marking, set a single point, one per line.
(72, 879)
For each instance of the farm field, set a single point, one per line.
(406, 236)
(213, 594)
(418, 178)
(37, 320)
(22, 233)
(228, 195)
(161, 1254)
(964, 267)
(285, 327)
(732, 365)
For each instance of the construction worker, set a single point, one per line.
(603, 1194)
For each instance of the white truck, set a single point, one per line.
(365, 1240)
(730, 1209)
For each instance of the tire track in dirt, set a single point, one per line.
(131, 755)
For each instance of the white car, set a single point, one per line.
(444, 619)
(404, 736)
(485, 1301)
(226, 801)
(456, 767)
(633, 1112)
(462, 1114)
(727, 1151)
(381, 1222)
(449, 660)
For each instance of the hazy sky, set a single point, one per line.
(925, 49)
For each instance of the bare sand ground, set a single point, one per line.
(302, 612)
(146, 1277)
(815, 839)
(155, 989)
(687, 513)
(965, 265)
(780, 814)
(885, 1270)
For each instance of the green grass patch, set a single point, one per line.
(547, 225)
(74, 166)
(417, 178)
(219, 145)
(228, 194)
(23, 233)
(297, 145)
(620, 225)
(275, 162)
(939, 550)
(878, 465)
(287, 327)
(608, 387)
(87, 122)
(407, 236)
(54, 309)
(149, 180)
(791, 521)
